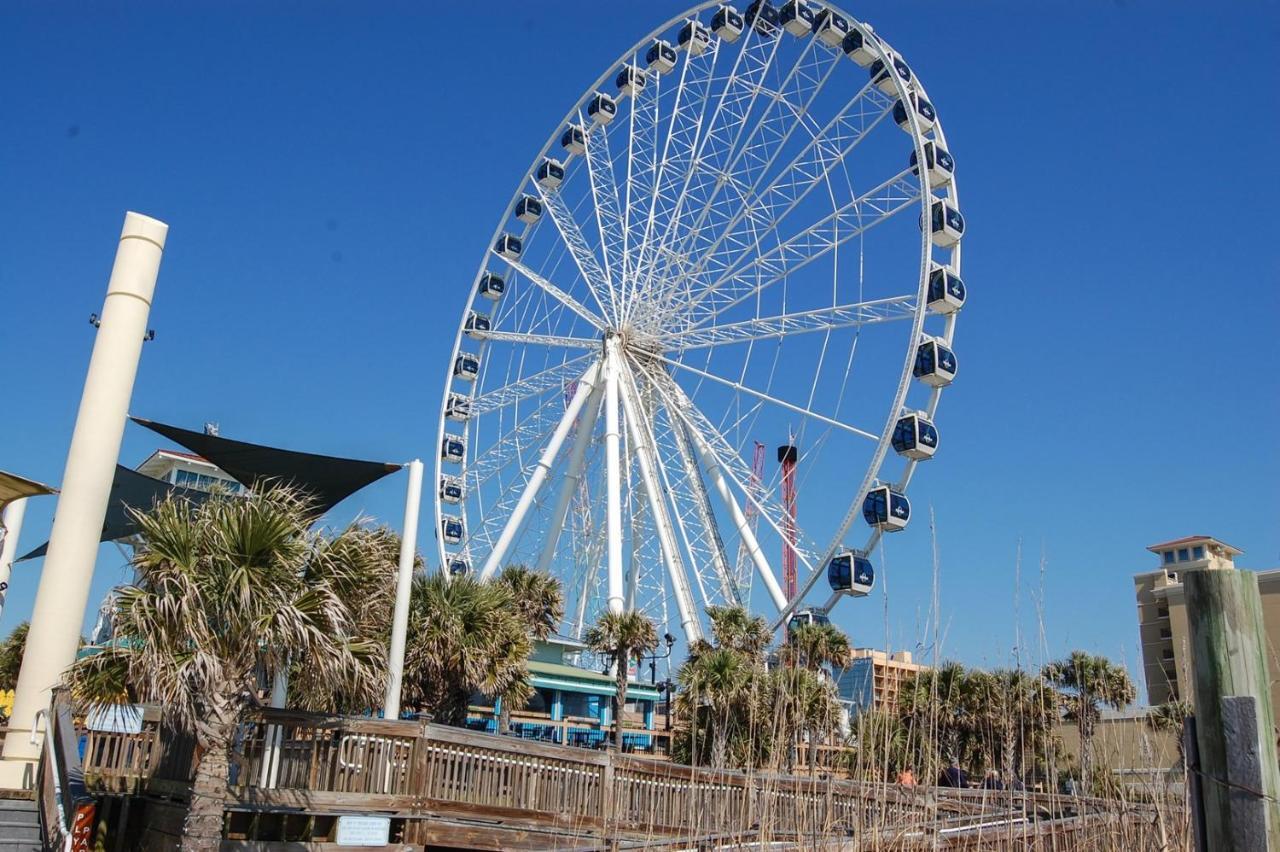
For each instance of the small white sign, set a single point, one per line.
(363, 831)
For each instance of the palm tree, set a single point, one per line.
(813, 646)
(536, 596)
(466, 637)
(359, 565)
(736, 629)
(11, 651)
(539, 602)
(622, 637)
(803, 703)
(1170, 717)
(1087, 681)
(222, 593)
(714, 687)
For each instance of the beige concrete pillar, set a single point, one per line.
(86, 487)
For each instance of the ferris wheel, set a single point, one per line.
(746, 231)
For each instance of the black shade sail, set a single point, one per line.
(131, 490)
(328, 480)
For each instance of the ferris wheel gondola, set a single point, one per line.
(680, 273)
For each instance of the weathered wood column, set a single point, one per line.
(1235, 723)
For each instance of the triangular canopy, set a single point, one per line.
(131, 490)
(326, 479)
(14, 487)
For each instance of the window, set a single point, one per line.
(1162, 612)
(1198, 552)
(1183, 554)
(1168, 654)
(1168, 557)
(1166, 633)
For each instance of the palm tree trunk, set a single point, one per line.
(620, 700)
(202, 830)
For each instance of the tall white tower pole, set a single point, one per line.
(404, 588)
(86, 483)
(613, 474)
(12, 523)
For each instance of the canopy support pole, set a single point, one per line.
(404, 589)
(11, 521)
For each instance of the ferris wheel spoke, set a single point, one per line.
(593, 275)
(642, 166)
(555, 376)
(604, 193)
(889, 309)
(693, 93)
(764, 209)
(772, 400)
(693, 509)
(510, 447)
(538, 339)
(857, 216)
(647, 462)
(728, 117)
(585, 389)
(709, 440)
(555, 292)
(755, 155)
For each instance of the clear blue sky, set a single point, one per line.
(331, 173)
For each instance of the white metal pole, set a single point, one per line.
(86, 482)
(586, 385)
(638, 429)
(573, 477)
(613, 476)
(12, 523)
(740, 521)
(404, 588)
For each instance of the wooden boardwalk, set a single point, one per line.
(293, 774)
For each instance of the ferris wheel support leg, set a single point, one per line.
(647, 462)
(585, 386)
(573, 476)
(740, 521)
(613, 476)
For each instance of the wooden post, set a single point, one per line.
(1229, 661)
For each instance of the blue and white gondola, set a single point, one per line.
(528, 209)
(850, 574)
(451, 490)
(453, 448)
(935, 363)
(661, 57)
(939, 163)
(727, 24)
(796, 17)
(946, 225)
(886, 510)
(915, 437)
(694, 38)
(492, 286)
(451, 530)
(466, 367)
(550, 173)
(946, 291)
(926, 115)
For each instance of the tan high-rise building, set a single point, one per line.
(1162, 614)
(873, 679)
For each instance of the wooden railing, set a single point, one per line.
(418, 772)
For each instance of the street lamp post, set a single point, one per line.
(669, 641)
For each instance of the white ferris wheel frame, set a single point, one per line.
(607, 376)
